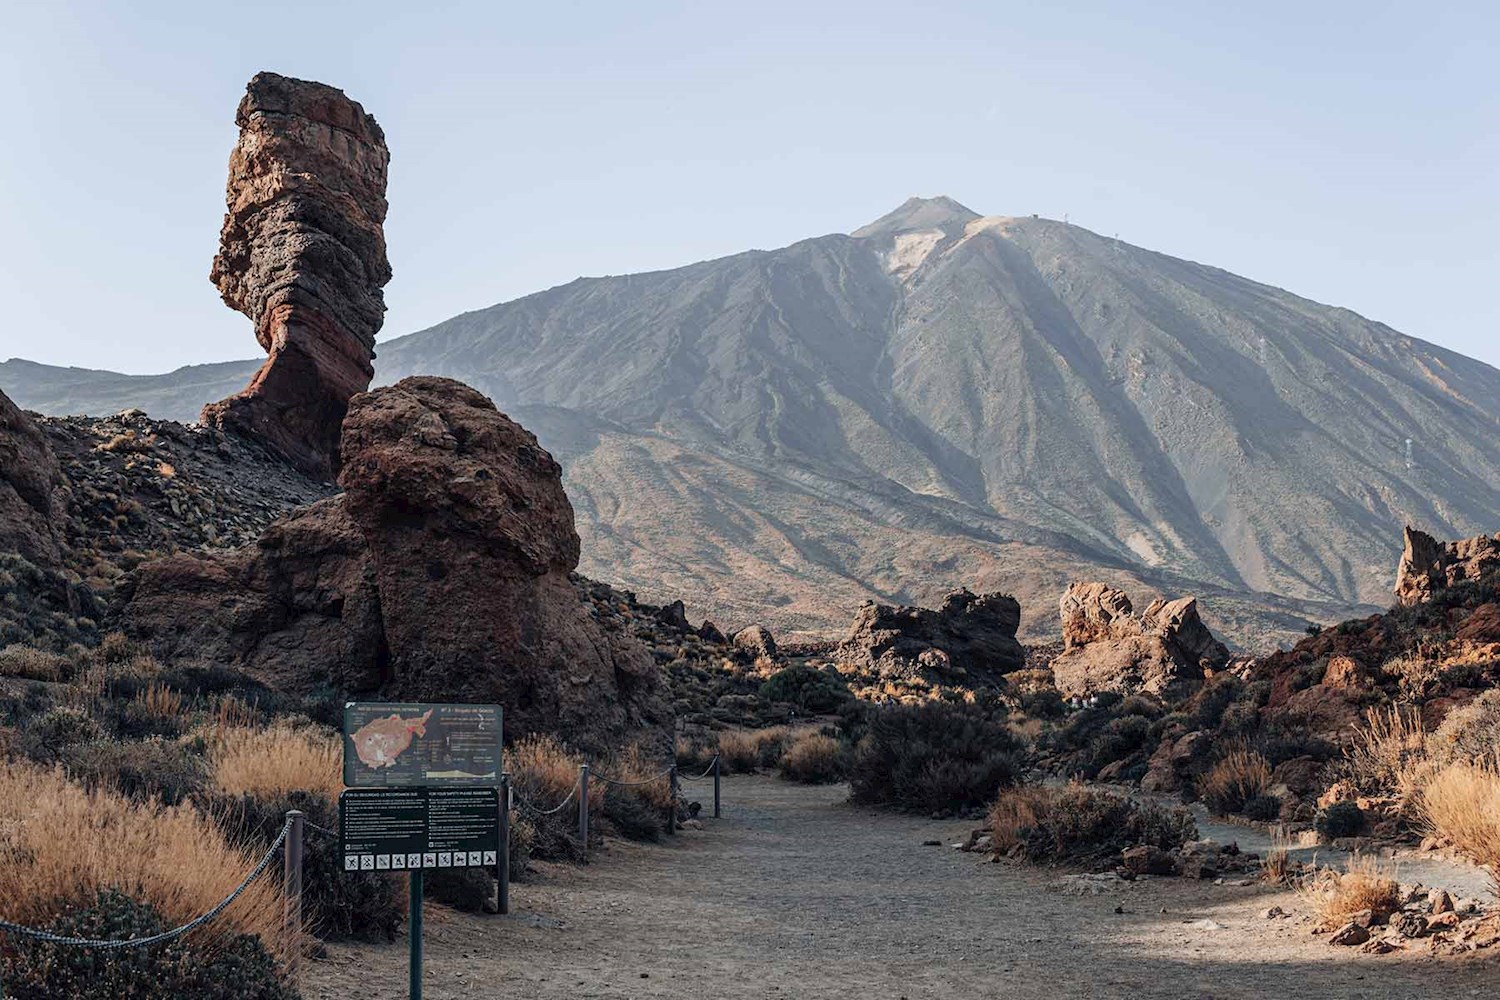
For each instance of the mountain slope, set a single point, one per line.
(942, 398)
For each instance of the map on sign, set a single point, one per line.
(404, 745)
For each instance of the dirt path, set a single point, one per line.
(797, 895)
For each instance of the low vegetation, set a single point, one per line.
(1336, 897)
(934, 757)
(1078, 824)
(815, 759)
(1461, 803)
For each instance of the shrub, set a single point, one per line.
(1336, 897)
(1340, 819)
(814, 759)
(46, 737)
(32, 664)
(145, 769)
(336, 904)
(814, 692)
(933, 756)
(632, 816)
(1078, 823)
(1237, 779)
(1462, 803)
(544, 773)
(742, 751)
(467, 890)
(1469, 733)
(1263, 807)
(66, 845)
(231, 967)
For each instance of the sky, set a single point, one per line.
(1344, 151)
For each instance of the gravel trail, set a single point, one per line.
(795, 894)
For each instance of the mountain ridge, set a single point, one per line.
(953, 398)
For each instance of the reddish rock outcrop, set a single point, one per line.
(441, 574)
(302, 253)
(1429, 566)
(1107, 647)
(971, 639)
(33, 492)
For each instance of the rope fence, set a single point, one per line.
(290, 841)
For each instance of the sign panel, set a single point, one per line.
(406, 745)
(413, 829)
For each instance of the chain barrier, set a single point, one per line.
(630, 784)
(548, 812)
(707, 773)
(109, 945)
(315, 828)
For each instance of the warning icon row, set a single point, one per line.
(410, 862)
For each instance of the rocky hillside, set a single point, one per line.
(941, 398)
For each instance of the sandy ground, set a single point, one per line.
(795, 894)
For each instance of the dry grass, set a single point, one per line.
(1468, 733)
(1335, 897)
(60, 846)
(267, 763)
(813, 759)
(31, 664)
(543, 772)
(230, 712)
(1015, 810)
(1462, 803)
(636, 765)
(162, 702)
(741, 751)
(1276, 867)
(1389, 755)
(1241, 776)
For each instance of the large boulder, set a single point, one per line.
(1166, 650)
(971, 639)
(33, 492)
(441, 574)
(302, 253)
(1429, 566)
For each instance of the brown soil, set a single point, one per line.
(795, 894)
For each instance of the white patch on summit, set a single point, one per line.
(909, 250)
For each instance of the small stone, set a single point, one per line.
(1411, 925)
(1274, 913)
(1442, 902)
(1350, 934)
(932, 843)
(1446, 921)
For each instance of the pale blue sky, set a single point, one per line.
(1345, 151)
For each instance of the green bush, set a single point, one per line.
(47, 736)
(813, 692)
(1340, 819)
(632, 816)
(145, 769)
(336, 904)
(208, 967)
(936, 757)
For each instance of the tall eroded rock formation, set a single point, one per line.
(971, 640)
(302, 253)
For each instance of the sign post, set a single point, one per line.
(422, 794)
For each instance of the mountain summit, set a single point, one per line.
(941, 398)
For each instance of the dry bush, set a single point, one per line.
(542, 770)
(1335, 897)
(31, 664)
(1016, 811)
(643, 772)
(1388, 755)
(1462, 803)
(1468, 734)
(1413, 674)
(275, 762)
(1240, 777)
(814, 759)
(1276, 867)
(62, 846)
(742, 751)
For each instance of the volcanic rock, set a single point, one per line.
(441, 574)
(302, 253)
(970, 639)
(1107, 647)
(33, 492)
(1429, 566)
(756, 641)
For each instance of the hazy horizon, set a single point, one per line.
(1340, 153)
